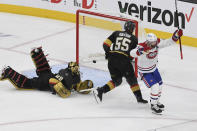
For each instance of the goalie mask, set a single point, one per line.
(151, 40)
(74, 67)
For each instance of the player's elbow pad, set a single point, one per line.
(106, 48)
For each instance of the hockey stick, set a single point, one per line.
(180, 45)
(92, 89)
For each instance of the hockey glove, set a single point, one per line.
(87, 84)
(58, 88)
(177, 34)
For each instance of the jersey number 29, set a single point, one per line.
(122, 44)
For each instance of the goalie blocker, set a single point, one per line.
(61, 83)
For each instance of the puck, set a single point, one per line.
(94, 61)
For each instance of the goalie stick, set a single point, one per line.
(92, 89)
(180, 45)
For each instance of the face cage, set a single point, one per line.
(75, 69)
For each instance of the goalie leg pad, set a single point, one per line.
(87, 84)
(59, 88)
(40, 60)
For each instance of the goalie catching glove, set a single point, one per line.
(58, 87)
(87, 84)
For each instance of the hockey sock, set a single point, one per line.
(40, 60)
(154, 95)
(136, 90)
(108, 87)
(7, 72)
(18, 80)
(160, 91)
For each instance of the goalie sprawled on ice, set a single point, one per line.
(61, 83)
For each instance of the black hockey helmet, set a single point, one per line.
(74, 67)
(129, 26)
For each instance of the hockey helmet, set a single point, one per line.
(151, 40)
(74, 67)
(129, 26)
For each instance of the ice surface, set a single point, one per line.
(22, 110)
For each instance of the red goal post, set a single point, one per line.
(102, 15)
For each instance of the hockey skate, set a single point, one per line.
(98, 94)
(161, 106)
(5, 73)
(141, 100)
(155, 109)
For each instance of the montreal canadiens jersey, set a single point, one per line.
(147, 62)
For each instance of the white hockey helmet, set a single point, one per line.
(151, 40)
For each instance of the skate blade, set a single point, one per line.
(92, 89)
(143, 103)
(156, 113)
(96, 98)
(162, 109)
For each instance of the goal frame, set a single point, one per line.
(78, 12)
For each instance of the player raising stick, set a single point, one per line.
(147, 54)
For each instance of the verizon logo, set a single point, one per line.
(156, 15)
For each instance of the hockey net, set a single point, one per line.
(92, 29)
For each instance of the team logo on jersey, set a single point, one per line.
(152, 55)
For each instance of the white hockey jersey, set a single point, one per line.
(147, 62)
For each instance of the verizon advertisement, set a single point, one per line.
(162, 15)
(154, 14)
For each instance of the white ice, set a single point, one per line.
(32, 110)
